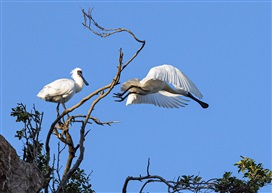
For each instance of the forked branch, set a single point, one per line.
(103, 32)
(191, 183)
(99, 94)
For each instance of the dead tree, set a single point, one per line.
(61, 126)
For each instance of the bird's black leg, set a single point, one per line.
(63, 104)
(119, 95)
(122, 98)
(203, 105)
(57, 109)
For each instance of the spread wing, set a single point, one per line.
(161, 99)
(174, 76)
(61, 87)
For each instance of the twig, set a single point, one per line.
(147, 168)
(191, 183)
(101, 92)
(109, 32)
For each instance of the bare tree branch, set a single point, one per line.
(82, 131)
(147, 168)
(60, 124)
(256, 174)
(191, 183)
(102, 32)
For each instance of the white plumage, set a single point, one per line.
(62, 90)
(155, 89)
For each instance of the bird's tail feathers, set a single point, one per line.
(41, 95)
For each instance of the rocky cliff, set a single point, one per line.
(17, 176)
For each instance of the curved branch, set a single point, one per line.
(101, 92)
(108, 32)
(150, 178)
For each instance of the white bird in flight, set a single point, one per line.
(155, 89)
(62, 90)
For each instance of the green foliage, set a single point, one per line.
(257, 175)
(254, 178)
(33, 151)
(254, 175)
(29, 134)
(21, 114)
(187, 181)
(79, 183)
(229, 183)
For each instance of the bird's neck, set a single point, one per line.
(175, 91)
(79, 83)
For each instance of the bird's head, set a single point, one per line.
(77, 72)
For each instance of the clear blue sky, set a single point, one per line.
(224, 47)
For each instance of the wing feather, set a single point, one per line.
(161, 99)
(61, 87)
(174, 76)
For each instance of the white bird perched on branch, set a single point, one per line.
(154, 89)
(62, 90)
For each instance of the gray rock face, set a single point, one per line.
(17, 176)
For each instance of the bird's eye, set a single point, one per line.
(79, 72)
